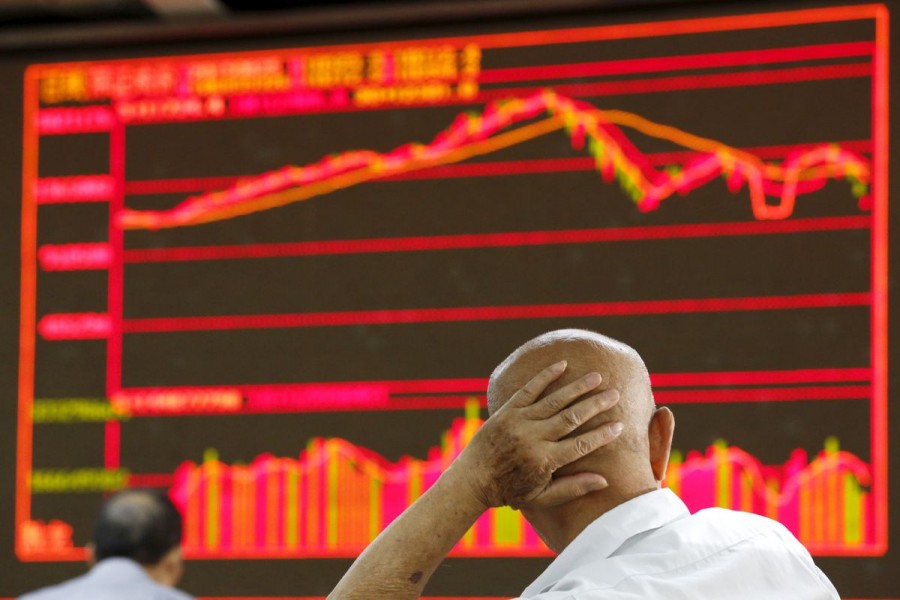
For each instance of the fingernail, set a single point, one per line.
(559, 367)
(616, 428)
(593, 379)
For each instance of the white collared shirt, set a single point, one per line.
(110, 579)
(652, 547)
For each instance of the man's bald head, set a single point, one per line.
(585, 351)
(633, 464)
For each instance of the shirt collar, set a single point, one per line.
(608, 532)
(117, 567)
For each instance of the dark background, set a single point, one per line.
(854, 577)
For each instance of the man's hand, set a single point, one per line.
(512, 458)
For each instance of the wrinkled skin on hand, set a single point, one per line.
(519, 475)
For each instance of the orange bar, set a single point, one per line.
(213, 499)
(237, 507)
(414, 481)
(746, 492)
(819, 506)
(343, 504)
(331, 473)
(302, 503)
(247, 507)
(375, 501)
(724, 475)
(359, 518)
(832, 496)
(772, 498)
(250, 515)
(291, 497)
(360, 506)
(449, 451)
(840, 516)
(192, 533)
(312, 498)
(272, 478)
(27, 308)
(805, 512)
(864, 516)
(673, 473)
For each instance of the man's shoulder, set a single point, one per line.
(66, 589)
(734, 526)
(110, 583)
(67, 592)
(175, 594)
(702, 552)
(77, 590)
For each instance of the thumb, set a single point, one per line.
(568, 488)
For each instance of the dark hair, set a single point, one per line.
(141, 525)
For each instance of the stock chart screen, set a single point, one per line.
(272, 279)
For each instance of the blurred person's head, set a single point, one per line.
(634, 463)
(144, 527)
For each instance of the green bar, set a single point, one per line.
(473, 409)
(415, 481)
(292, 508)
(90, 480)
(332, 458)
(210, 471)
(723, 475)
(852, 510)
(507, 526)
(374, 507)
(74, 410)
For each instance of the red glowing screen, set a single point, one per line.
(273, 282)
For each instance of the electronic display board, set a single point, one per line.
(273, 281)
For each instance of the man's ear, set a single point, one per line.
(660, 432)
(169, 569)
(173, 566)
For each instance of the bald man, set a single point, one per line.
(581, 449)
(135, 553)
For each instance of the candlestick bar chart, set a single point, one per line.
(273, 282)
(336, 497)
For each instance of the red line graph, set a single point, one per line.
(615, 156)
(868, 383)
(483, 168)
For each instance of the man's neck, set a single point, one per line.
(569, 520)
